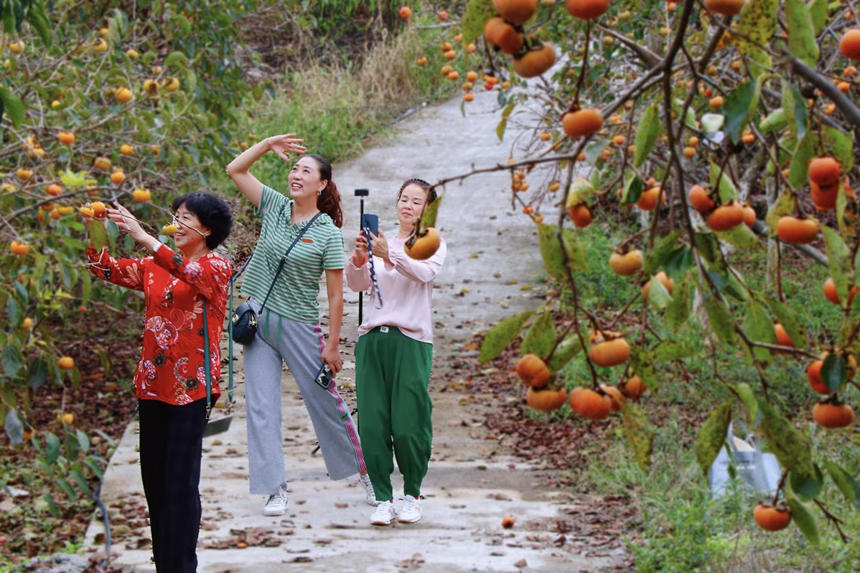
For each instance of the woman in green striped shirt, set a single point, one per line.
(289, 328)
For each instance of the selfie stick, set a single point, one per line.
(362, 193)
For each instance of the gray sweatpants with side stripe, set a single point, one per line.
(300, 345)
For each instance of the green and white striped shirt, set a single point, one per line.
(321, 247)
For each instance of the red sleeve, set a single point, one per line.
(123, 272)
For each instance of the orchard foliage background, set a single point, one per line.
(714, 143)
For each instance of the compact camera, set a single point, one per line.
(324, 376)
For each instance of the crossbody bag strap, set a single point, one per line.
(207, 367)
(284, 257)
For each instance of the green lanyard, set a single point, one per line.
(206, 364)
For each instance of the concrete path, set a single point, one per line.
(473, 483)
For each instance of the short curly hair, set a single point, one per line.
(212, 211)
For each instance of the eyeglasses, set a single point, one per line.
(180, 223)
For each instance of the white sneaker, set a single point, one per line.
(384, 513)
(368, 489)
(277, 503)
(410, 511)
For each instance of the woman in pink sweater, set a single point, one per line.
(394, 356)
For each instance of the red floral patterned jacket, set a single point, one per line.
(171, 366)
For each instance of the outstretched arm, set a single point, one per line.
(334, 291)
(237, 169)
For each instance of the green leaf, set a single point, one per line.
(639, 432)
(13, 312)
(833, 372)
(475, 16)
(83, 440)
(642, 364)
(657, 293)
(564, 352)
(757, 25)
(818, 12)
(801, 36)
(739, 106)
(803, 519)
(759, 327)
(13, 106)
(76, 179)
(791, 447)
(12, 361)
(735, 288)
(577, 254)
(678, 261)
(551, 251)
(580, 191)
(784, 205)
(72, 446)
(844, 482)
(721, 320)
(501, 335)
(177, 59)
(708, 247)
(38, 373)
(503, 123)
(632, 190)
(740, 236)
(94, 467)
(726, 190)
(789, 320)
(428, 218)
(647, 133)
(838, 261)
(841, 145)
(794, 101)
(13, 426)
(656, 258)
(681, 305)
(805, 486)
(798, 169)
(81, 481)
(52, 448)
(712, 435)
(98, 236)
(668, 350)
(67, 489)
(774, 121)
(540, 337)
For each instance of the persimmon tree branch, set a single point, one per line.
(828, 88)
(649, 58)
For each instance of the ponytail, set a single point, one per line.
(328, 201)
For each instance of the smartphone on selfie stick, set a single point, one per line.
(370, 222)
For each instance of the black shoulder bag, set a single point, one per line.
(243, 321)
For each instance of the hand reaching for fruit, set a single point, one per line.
(127, 222)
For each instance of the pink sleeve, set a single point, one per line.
(357, 278)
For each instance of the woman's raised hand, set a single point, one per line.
(379, 245)
(127, 222)
(286, 143)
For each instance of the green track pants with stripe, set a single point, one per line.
(392, 373)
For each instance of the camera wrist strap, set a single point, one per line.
(374, 286)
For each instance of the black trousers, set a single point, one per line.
(171, 443)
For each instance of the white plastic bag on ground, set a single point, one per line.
(755, 471)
